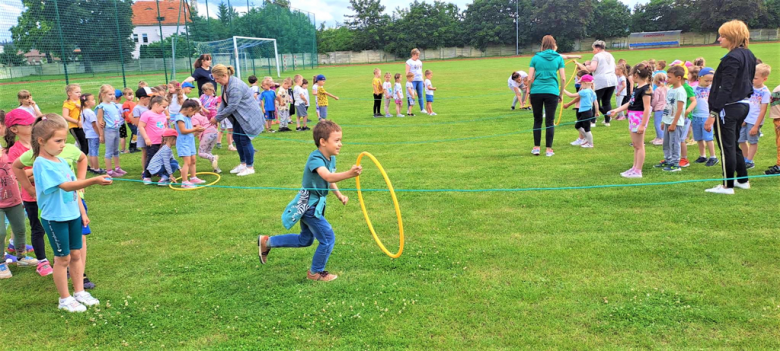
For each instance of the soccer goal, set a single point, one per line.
(249, 56)
(654, 39)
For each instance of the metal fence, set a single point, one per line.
(87, 40)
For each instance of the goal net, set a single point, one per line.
(249, 56)
(654, 39)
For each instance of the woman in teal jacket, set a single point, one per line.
(547, 67)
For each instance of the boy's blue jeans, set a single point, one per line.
(311, 227)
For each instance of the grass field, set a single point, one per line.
(656, 266)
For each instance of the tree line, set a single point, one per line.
(486, 23)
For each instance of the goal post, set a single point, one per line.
(643, 40)
(248, 55)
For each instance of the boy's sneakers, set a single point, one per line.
(164, 181)
(86, 299)
(12, 248)
(672, 168)
(148, 181)
(238, 169)
(593, 124)
(119, 172)
(586, 145)
(423, 112)
(247, 171)
(305, 128)
(323, 276)
(215, 164)
(684, 162)
(88, 285)
(749, 164)
(187, 185)
(263, 249)
(535, 151)
(217, 170)
(720, 189)
(605, 124)
(577, 142)
(377, 116)
(219, 145)
(44, 268)
(745, 185)
(711, 161)
(8, 258)
(5, 273)
(410, 114)
(701, 159)
(232, 148)
(690, 142)
(773, 170)
(70, 304)
(662, 164)
(513, 108)
(196, 180)
(26, 261)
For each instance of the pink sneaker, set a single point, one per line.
(44, 268)
(196, 180)
(187, 185)
(119, 172)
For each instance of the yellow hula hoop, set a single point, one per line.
(395, 203)
(560, 114)
(199, 186)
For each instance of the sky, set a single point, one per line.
(329, 11)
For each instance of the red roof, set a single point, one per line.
(145, 12)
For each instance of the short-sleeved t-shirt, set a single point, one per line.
(387, 86)
(322, 99)
(203, 121)
(428, 84)
(9, 188)
(546, 65)
(88, 116)
(587, 96)
(637, 103)
(774, 104)
(513, 84)
(203, 76)
(376, 85)
(174, 107)
(398, 91)
(410, 89)
(622, 83)
(284, 94)
(297, 91)
(689, 93)
(155, 126)
(33, 110)
(127, 111)
(70, 153)
(55, 204)
(183, 138)
(269, 98)
(702, 109)
(604, 76)
(415, 67)
(674, 96)
(139, 110)
(312, 179)
(74, 110)
(111, 115)
(13, 153)
(306, 95)
(760, 96)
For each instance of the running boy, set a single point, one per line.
(751, 128)
(308, 207)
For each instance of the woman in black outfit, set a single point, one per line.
(202, 73)
(728, 101)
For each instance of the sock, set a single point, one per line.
(582, 132)
(589, 137)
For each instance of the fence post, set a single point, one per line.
(121, 54)
(162, 47)
(62, 42)
(293, 55)
(187, 32)
(269, 65)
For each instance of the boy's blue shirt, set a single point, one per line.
(314, 190)
(269, 98)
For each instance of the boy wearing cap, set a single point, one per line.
(700, 115)
(143, 94)
(322, 96)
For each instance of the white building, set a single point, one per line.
(147, 27)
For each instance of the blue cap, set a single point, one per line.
(319, 78)
(705, 71)
(187, 85)
(118, 93)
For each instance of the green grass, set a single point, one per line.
(664, 266)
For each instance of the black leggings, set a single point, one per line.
(36, 229)
(583, 120)
(727, 135)
(81, 140)
(377, 104)
(549, 103)
(604, 97)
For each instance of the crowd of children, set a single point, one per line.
(391, 91)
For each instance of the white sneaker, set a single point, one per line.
(215, 163)
(71, 305)
(605, 124)
(5, 273)
(433, 114)
(400, 116)
(238, 169)
(423, 112)
(720, 189)
(745, 185)
(86, 299)
(586, 145)
(578, 142)
(27, 261)
(247, 171)
(593, 125)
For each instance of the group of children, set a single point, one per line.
(677, 100)
(392, 93)
(281, 101)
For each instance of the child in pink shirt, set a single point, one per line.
(151, 126)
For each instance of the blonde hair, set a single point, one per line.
(410, 75)
(71, 87)
(736, 32)
(142, 84)
(377, 70)
(207, 86)
(222, 70)
(297, 78)
(548, 43)
(427, 72)
(128, 90)
(44, 128)
(105, 89)
(287, 80)
(652, 62)
(659, 79)
(763, 70)
(415, 51)
(23, 95)
(177, 91)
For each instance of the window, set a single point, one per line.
(146, 38)
(135, 38)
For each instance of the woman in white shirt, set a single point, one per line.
(517, 84)
(602, 67)
(414, 65)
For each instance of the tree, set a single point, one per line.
(611, 19)
(566, 20)
(158, 48)
(772, 14)
(79, 19)
(334, 39)
(11, 56)
(492, 22)
(660, 15)
(441, 23)
(368, 23)
(749, 11)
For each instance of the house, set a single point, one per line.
(147, 27)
